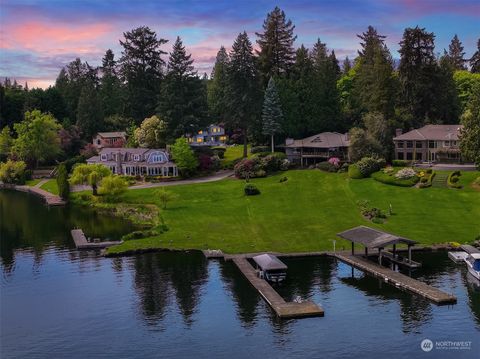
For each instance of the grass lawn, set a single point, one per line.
(234, 152)
(32, 182)
(305, 213)
(50, 186)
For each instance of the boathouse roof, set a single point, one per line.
(269, 262)
(373, 238)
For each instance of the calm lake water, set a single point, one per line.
(56, 302)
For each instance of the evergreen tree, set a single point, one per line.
(141, 67)
(417, 75)
(243, 90)
(470, 134)
(217, 87)
(347, 65)
(475, 60)
(89, 111)
(276, 54)
(456, 54)
(111, 86)
(272, 114)
(374, 83)
(447, 103)
(62, 181)
(183, 97)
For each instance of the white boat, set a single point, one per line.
(473, 264)
(457, 256)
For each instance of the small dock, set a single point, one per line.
(469, 249)
(397, 279)
(282, 308)
(81, 241)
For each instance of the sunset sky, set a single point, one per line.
(37, 38)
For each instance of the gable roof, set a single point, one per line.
(322, 140)
(269, 262)
(372, 238)
(432, 132)
(112, 134)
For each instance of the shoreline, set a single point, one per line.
(49, 198)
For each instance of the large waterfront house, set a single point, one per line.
(136, 161)
(431, 143)
(317, 148)
(213, 135)
(109, 139)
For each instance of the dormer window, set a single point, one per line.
(158, 157)
(103, 157)
(136, 157)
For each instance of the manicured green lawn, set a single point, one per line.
(234, 152)
(50, 186)
(305, 213)
(32, 182)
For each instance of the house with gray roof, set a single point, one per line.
(431, 143)
(136, 161)
(109, 139)
(317, 148)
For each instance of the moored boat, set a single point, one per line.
(473, 264)
(270, 268)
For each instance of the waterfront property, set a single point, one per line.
(213, 135)
(317, 148)
(431, 143)
(136, 161)
(109, 139)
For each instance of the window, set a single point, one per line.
(158, 157)
(199, 139)
(432, 144)
(223, 138)
(418, 144)
(136, 157)
(418, 156)
(400, 144)
(200, 132)
(103, 157)
(446, 144)
(399, 155)
(98, 141)
(409, 156)
(453, 143)
(409, 144)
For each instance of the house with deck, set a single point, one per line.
(431, 143)
(213, 135)
(317, 148)
(136, 161)
(109, 139)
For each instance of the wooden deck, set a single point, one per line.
(82, 243)
(397, 279)
(282, 308)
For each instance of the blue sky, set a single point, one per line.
(37, 38)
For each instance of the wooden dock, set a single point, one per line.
(282, 308)
(82, 243)
(397, 279)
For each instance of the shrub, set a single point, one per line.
(326, 166)
(453, 179)
(424, 180)
(343, 168)
(251, 190)
(129, 179)
(112, 186)
(69, 163)
(400, 163)
(354, 172)
(283, 179)
(258, 166)
(219, 151)
(165, 196)
(258, 149)
(429, 171)
(390, 179)
(368, 165)
(13, 172)
(335, 161)
(139, 235)
(204, 162)
(405, 173)
(456, 173)
(388, 170)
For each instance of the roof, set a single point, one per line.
(372, 238)
(269, 262)
(432, 132)
(322, 140)
(135, 151)
(475, 255)
(112, 134)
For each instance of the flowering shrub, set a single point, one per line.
(260, 166)
(368, 165)
(405, 173)
(335, 161)
(388, 170)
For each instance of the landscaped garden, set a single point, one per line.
(303, 213)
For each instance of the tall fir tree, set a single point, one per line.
(276, 54)
(141, 66)
(243, 91)
(347, 65)
(183, 96)
(456, 54)
(475, 60)
(272, 114)
(417, 75)
(111, 86)
(217, 87)
(89, 111)
(447, 108)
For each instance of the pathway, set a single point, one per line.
(216, 177)
(440, 180)
(50, 198)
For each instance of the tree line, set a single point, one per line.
(257, 94)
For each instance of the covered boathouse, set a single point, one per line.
(375, 239)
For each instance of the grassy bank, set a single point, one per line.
(50, 186)
(304, 213)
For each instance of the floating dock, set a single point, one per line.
(397, 279)
(282, 308)
(82, 243)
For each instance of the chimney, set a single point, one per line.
(398, 132)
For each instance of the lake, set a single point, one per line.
(57, 302)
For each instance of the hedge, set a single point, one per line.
(453, 179)
(400, 163)
(354, 172)
(390, 179)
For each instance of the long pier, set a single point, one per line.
(82, 243)
(397, 279)
(282, 308)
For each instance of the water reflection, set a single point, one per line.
(160, 277)
(27, 223)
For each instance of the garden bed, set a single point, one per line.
(388, 177)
